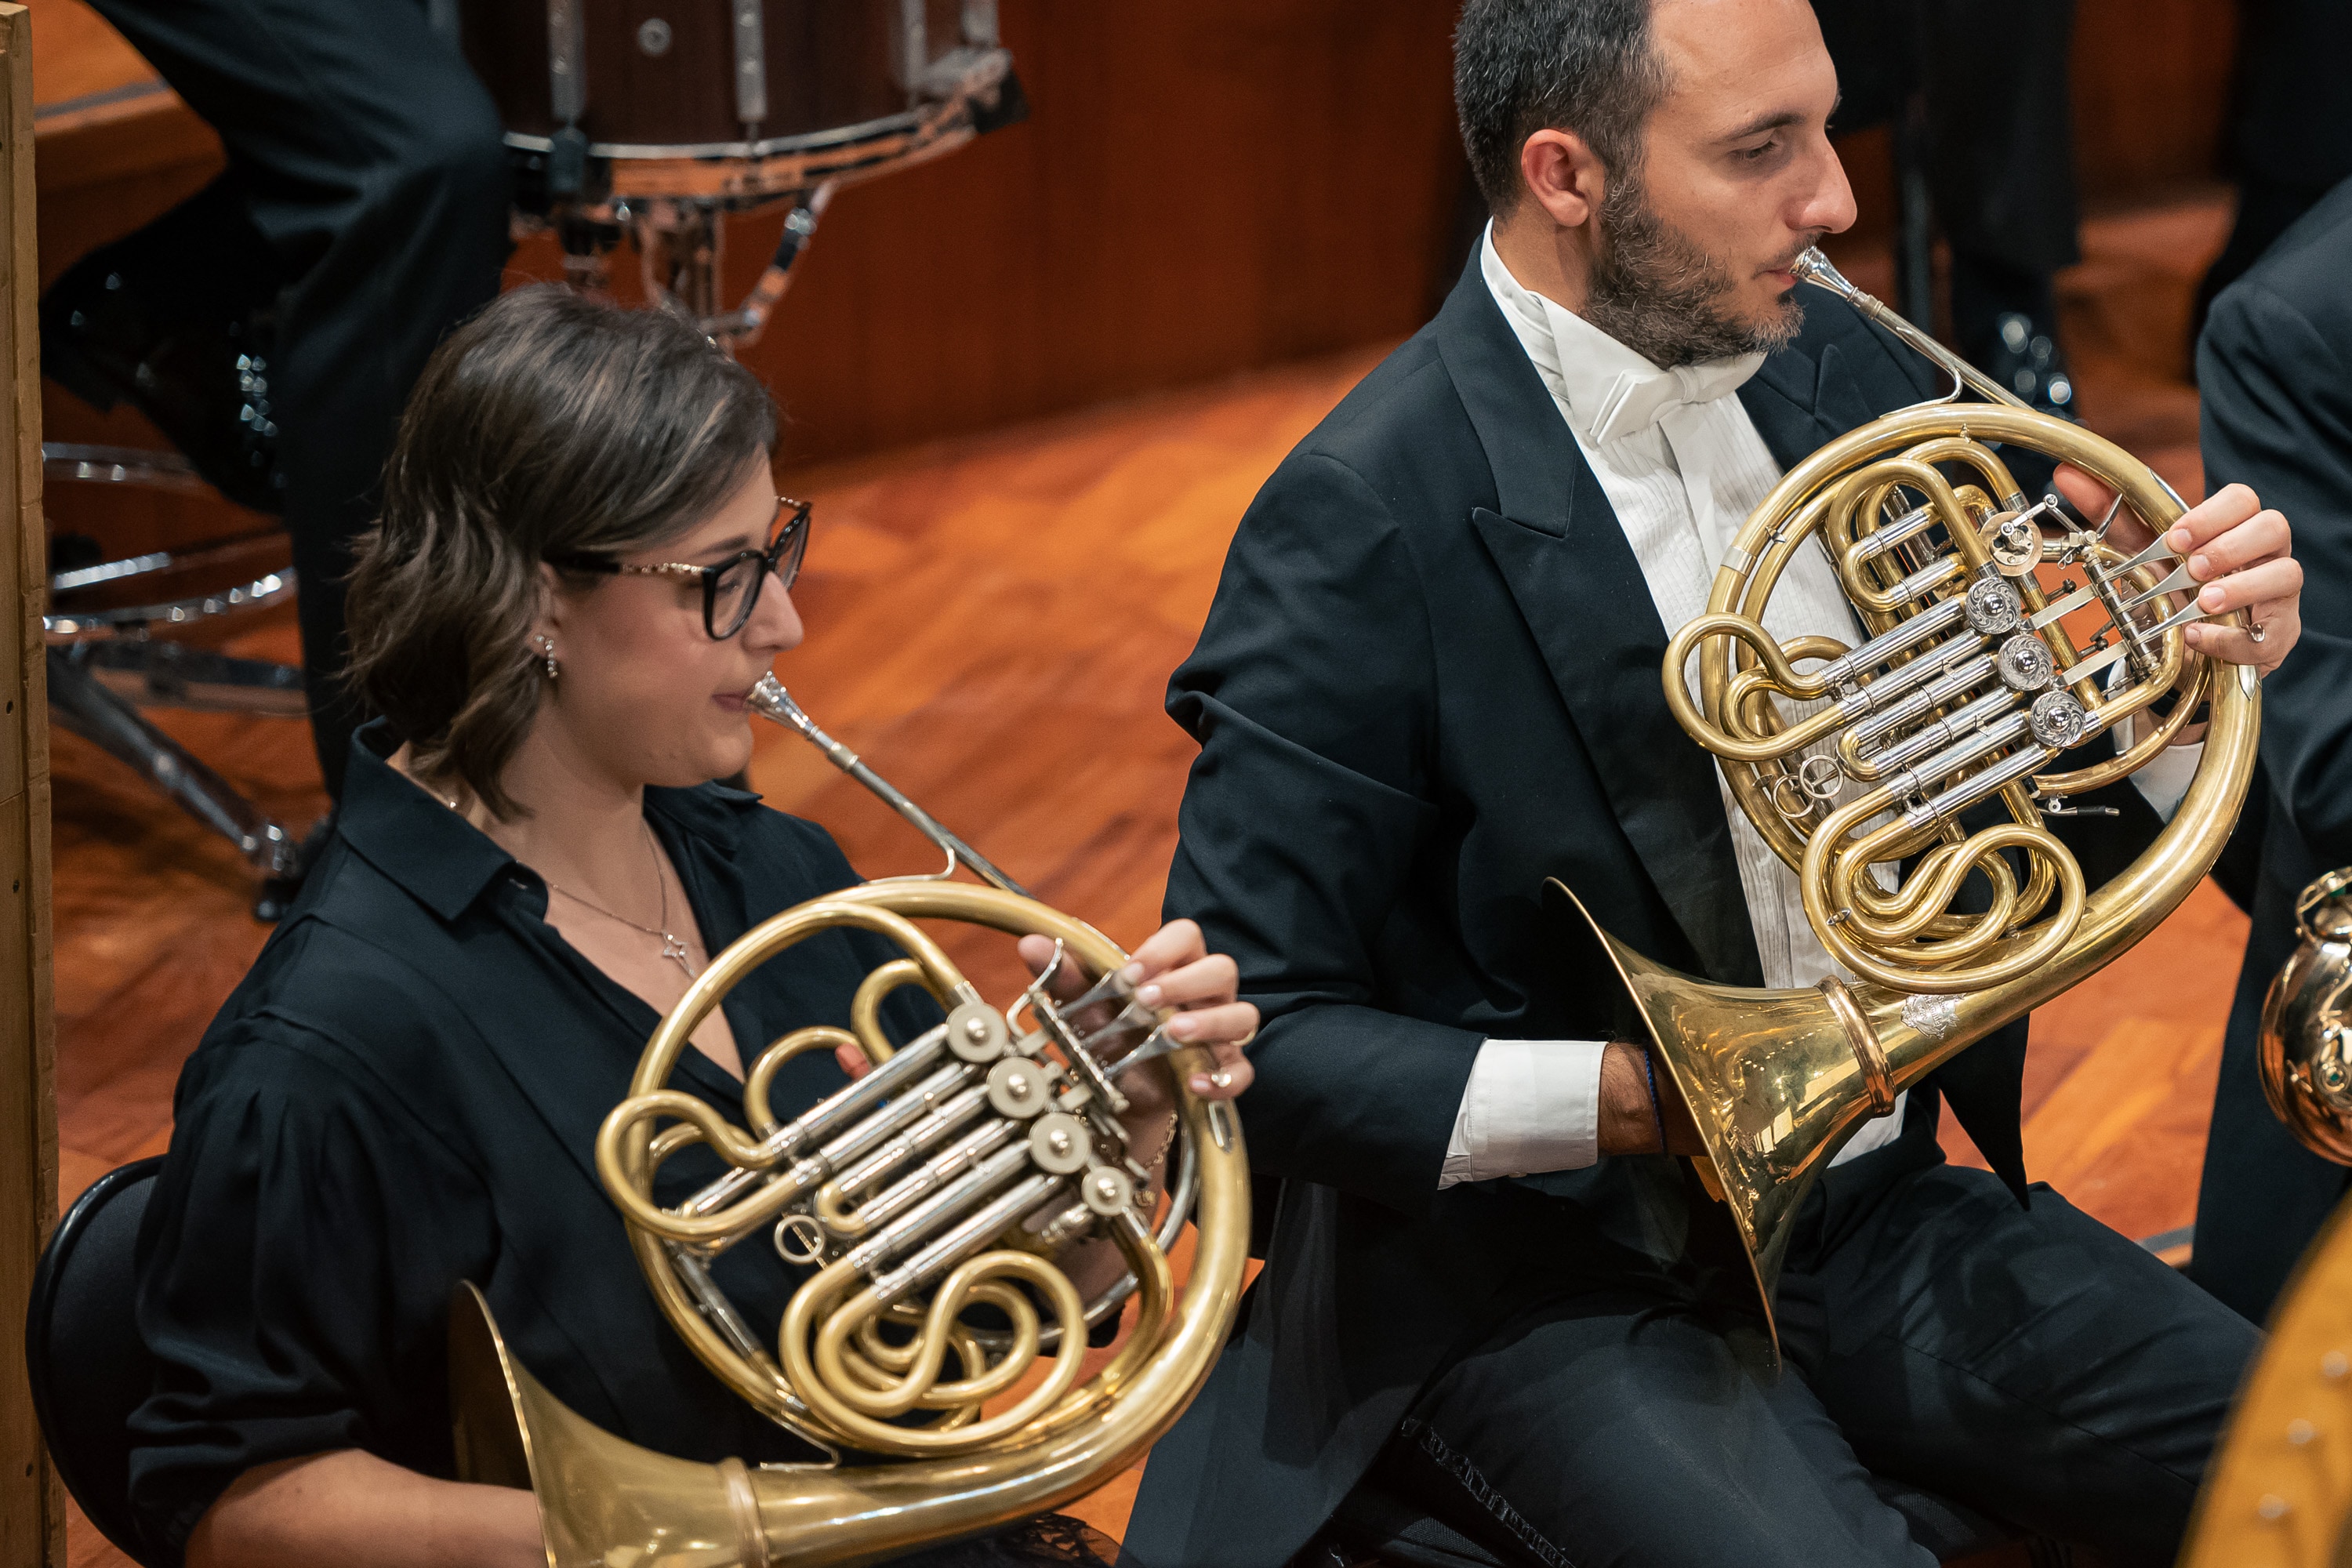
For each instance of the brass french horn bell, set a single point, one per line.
(947, 1177)
(2300, 1052)
(1868, 769)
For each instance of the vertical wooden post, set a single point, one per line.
(32, 1510)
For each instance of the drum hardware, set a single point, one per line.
(614, 129)
(120, 325)
(73, 463)
(2300, 1052)
(1964, 694)
(947, 1175)
(105, 663)
(750, 66)
(155, 672)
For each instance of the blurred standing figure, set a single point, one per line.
(2000, 158)
(2291, 141)
(364, 205)
(2274, 370)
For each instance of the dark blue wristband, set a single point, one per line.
(1650, 1070)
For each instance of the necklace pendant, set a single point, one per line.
(675, 948)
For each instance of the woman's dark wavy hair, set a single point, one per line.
(546, 425)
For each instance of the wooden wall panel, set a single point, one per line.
(1203, 186)
(32, 1518)
(2151, 94)
(1212, 184)
(2151, 90)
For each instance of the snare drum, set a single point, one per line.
(734, 100)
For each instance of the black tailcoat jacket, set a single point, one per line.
(2275, 375)
(1430, 680)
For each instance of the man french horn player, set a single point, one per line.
(581, 568)
(1432, 678)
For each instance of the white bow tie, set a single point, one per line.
(1638, 399)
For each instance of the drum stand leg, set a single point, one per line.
(155, 672)
(682, 246)
(82, 705)
(102, 666)
(585, 242)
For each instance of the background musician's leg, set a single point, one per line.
(1624, 1429)
(2029, 1362)
(2290, 140)
(2000, 160)
(373, 166)
(1999, 152)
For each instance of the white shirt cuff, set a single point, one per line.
(2164, 778)
(1530, 1105)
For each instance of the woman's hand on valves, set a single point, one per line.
(1174, 968)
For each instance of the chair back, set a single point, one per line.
(88, 1367)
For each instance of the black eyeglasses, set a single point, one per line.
(730, 589)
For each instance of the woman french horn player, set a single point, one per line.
(559, 613)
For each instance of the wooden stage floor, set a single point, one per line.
(992, 622)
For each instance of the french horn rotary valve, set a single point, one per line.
(1966, 689)
(947, 1177)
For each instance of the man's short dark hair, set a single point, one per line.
(1524, 66)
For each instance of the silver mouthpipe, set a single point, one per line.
(771, 701)
(1815, 267)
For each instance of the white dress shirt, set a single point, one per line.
(1683, 466)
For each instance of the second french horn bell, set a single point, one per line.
(2300, 1052)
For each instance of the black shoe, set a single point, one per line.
(2005, 323)
(2026, 359)
(176, 318)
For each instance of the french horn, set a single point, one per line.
(947, 1177)
(1886, 775)
(2300, 1053)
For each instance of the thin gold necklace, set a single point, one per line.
(672, 948)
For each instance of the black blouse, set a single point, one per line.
(404, 1093)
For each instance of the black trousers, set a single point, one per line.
(1999, 154)
(369, 158)
(2027, 1363)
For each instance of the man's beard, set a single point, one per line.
(1665, 298)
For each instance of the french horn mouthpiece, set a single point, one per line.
(770, 699)
(1813, 266)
